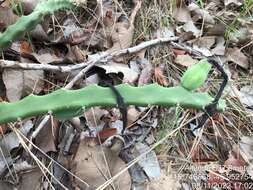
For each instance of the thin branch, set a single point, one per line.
(36, 66)
(106, 56)
(95, 58)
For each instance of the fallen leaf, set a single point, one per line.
(219, 48)
(236, 56)
(19, 83)
(214, 178)
(11, 140)
(129, 75)
(246, 95)
(149, 163)
(25, 48)
(185, 60)
(182, 14)
(216, 29)
(46, 138)
(39, 33)
(106, 133)
(159, 77)
(200, 13)
(205, 51)
(246, 147)
(7, 17)
(29, 5)
(30, 179)
(122, 35)
(204, 44)
(190, 27)
(178, 51)
(3, 128)
(91, 166)
(238, 165)
(93, 116)
(235, 2)
(146, 74)
(47, 58)
(132, 115)
(205, 41)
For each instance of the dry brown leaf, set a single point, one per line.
(185, 60)
(122, 34)
(236, 164)
(26, 48)
(200, 13)
(93, 116)
(79, 55)
(132, 115)
(29, 5)
(190, 27)
(129, 75)
(3, 128)
(204, 44)
(219, 48)
(236, 56)
(39, 33)
(106, 14)
(47, 58)
(106, 133)
(159, 77)
(182, 14)
(214, 178)
(205, 41)
(46, 138)
(217, 29)
(146, 75)
(7, 17)
(30, 179)
(178, 51)
(19, 83)
(91, 167)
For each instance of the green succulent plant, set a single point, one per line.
(196, 75)
(27, 23)
(69, 103)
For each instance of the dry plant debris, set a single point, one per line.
(137, 42)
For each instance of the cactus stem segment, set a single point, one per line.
(69, 103)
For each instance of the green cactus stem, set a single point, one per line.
(68, 103)
(27, 23)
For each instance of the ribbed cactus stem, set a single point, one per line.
(27, 23)
(68, 103)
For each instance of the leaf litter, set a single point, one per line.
(90, 149)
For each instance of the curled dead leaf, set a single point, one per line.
(236, 56)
